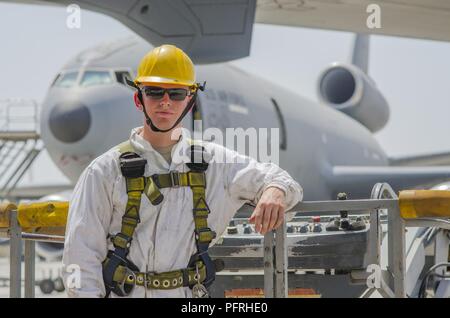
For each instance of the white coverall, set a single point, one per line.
(164, 240)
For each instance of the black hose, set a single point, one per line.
(430, 272)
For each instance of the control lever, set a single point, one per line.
(359, 224)
(345, 222)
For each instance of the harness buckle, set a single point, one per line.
(121, 240)
(132, 166)
(124, 286)
(175, 178)
(205, 235)
(199, 290)
(147, 280)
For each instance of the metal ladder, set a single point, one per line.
(20, 142)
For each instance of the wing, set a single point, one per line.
(428, 19)
(437, 159)
(359, 180)
(220, 30)
(208, 30)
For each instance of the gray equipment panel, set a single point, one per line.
(310, 246)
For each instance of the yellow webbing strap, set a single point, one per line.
(130, 219)
(135, 187)
(201, 211)
(152, 191)
(197, 182)
(180, 179)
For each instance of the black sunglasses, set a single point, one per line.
(157, 93)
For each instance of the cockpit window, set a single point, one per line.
(96, 78)
(66, 80)
(120, 76)
(56, 79)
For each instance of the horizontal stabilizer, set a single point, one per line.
(357, 181)
(436, 159)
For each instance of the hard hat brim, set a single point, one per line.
(156, 79)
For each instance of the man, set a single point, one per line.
(141, 220)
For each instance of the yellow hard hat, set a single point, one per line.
(166, 64)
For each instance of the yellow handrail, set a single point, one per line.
(52, 216)
(424, 203)
(37, 217)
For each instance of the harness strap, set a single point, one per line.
(179, 179)
(132, 167)
(167, 280)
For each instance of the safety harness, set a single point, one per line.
(120, 275)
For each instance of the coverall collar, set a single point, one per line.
(145, 149)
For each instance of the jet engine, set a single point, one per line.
(348, 89)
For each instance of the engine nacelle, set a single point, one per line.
(348, 89)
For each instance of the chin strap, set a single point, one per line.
(185, 111)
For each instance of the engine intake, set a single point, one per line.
(348, 89)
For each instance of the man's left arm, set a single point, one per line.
(268, 186)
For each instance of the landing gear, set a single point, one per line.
(47, 286)
(59, 285)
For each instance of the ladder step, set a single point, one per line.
(19, 135)
(20, 141)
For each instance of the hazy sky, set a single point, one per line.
(413, 75)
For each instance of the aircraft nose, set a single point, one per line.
(69, 121)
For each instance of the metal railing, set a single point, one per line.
(275, 249)
(18, 115)
(382, 198)
(20, 142)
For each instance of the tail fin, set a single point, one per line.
(360, 56)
